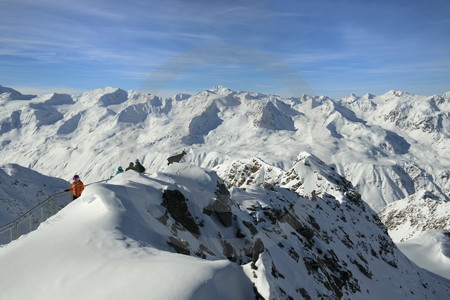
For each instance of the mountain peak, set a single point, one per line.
(396, 93)
(12, 94)
(218, 89)
(181, 97)
(320, 238)
(349, 98)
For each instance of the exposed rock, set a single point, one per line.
(417, 213)
(179, 246)
(257, 249)
(221, 206)
(176, 205)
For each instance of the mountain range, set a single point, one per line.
(301, 184)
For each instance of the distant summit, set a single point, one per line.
(218, 89)
(375, 142)
(283, 191)
(7, 93)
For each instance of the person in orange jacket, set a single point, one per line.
(76, 188)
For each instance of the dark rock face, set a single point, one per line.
(355, 198)
(179, 246)
(257, 249)
(176, 205)
(221, 207)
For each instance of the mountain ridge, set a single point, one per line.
(368, 151)
(266, 183)
(275, 240)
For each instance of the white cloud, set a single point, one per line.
(28, 90)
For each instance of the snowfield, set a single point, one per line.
(118, 241)
(276, 198)
(84, 253)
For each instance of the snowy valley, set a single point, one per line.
(275, 199)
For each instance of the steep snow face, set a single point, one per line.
(420, 225)
(409, 217)
(7, 94)
(386, 158)
(122, 234)
(11, 122)
(21, 189)
(436, 245)
(415, 117)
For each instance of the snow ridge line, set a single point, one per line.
(51, 203)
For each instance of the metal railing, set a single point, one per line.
(31, 220)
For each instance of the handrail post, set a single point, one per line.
(55, 204)
(15, 231)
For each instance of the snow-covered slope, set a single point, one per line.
(21, 189)
(417, 213)
(416, 140)
(420, 225)
(274, 155)
(118, 241)
(389, 146)
(7, 94)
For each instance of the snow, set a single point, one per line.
(420, 226)
(84, 253)
(7, 94)
(387, 147)
(21, 189)
(436, 245)
(111, 243)
(368, 139)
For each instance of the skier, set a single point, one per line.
(138, 167)
(119, 170)
(76, 188)
(130, 167)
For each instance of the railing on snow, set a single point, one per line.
(31, 220)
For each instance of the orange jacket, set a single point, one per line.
(77, 188)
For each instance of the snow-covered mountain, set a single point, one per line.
(7, 93)
(420, 224)
(389, 146)
(21, 189)
(295, 176)
(120, 239)
(420, 212)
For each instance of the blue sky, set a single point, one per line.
(331, 48)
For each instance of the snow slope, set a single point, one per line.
(436, 245)
(181, 234)
(420, 225)
(389, 146)
(84, 252)
(301, 155)
(21, 189)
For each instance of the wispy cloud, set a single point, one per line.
(43, 91)
(130, 40)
